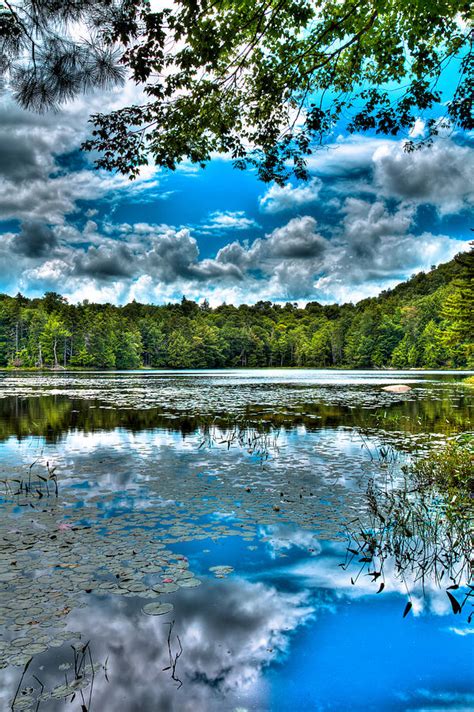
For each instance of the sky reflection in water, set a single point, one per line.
(285, 630)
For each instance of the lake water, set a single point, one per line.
(192, 541)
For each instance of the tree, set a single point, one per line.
(426, 322)
(320, 347)
(263, 81)
(389, 335)
(47, 60)
(206, 347)
(54, 332)
(7, 330)
(128, 349)
(431, 340)
(458, 311)
(98, 340)
(37, 320)
(153, 343)
(179, 351)
(361, 339)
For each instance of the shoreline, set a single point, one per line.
(144, 369)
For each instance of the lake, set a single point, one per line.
(197, 540)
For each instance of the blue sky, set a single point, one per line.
(369, 217)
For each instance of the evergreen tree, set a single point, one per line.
(426, 322)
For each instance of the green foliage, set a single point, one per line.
(424, 323)
(51, 337)
(451, 468)
(44, 57)
(458, 313)
(264, 81)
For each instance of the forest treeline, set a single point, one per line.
(425, 322)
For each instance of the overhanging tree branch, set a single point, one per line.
(263, 80)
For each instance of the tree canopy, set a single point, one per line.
(425, 322)
(264, 81)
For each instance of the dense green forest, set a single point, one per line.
(424, 322)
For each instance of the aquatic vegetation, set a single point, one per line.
(77, 684)
(452, 469)
(259, 440)
(150, 516)
(82, 543)
(221, 571)
(157, 609)
(31, 485)
(44, 574)
(173, 658)
(49, 405)
(420, 527)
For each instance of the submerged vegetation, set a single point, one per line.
(425, 322)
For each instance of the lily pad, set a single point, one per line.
(157, 609)
(165, 588)
(189, 583)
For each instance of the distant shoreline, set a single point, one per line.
(163, 369)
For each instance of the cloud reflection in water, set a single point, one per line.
(230, 631)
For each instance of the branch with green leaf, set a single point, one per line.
(264, 82)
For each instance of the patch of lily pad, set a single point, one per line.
(221, 571)
(58, 552)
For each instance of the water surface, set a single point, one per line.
(174, 541)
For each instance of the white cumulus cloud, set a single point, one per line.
(288, 197)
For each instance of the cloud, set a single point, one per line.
(51, 198)
(462, 631)
(288, 257)
(228, 636)
(346, 157)
(456, 701)
(22, 154)
(418, 129)
(289, 197)
(361, 247)
(228, 220)
(373, 248)
(34, 182)
(35, 240)
(104, 262)
(367, 226)
(439, 176)
(279, 539)
(172, 255)
(297, 239)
